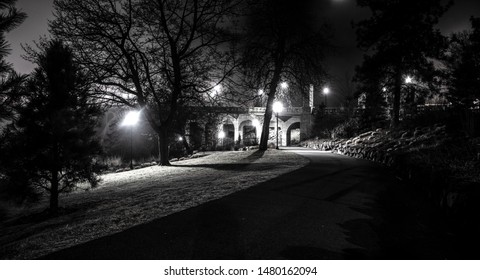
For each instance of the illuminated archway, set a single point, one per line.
(248, 133)
(293, 134)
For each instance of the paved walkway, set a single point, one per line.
(334, 208)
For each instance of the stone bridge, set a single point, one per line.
(244, 125)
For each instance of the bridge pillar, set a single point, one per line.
(305, 124)
(236, 130)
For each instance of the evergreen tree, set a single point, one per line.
(10, 18)
(399, 39)
(52, 143)
(463, 66)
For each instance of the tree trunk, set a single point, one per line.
(163, 146)
(397, 90)
(54, 193)
(267, 117)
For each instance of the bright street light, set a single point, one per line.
(131, 119)
(277, 108)
(408, 80)
(221, 135)
(284, 85)
(326, 91)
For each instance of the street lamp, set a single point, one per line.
(326, 91)
(408, 80)
(131, 119)
(221, 135)
(277, 108)
(284, 85)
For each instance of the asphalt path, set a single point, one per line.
(336, 207)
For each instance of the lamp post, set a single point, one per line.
(221, 135)
(277, 108)
(131, 119)
(326, 91)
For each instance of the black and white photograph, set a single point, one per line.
(240, 130)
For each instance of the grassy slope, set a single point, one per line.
(130, 198)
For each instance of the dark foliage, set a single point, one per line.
(10, 18)
(52, 146)
(399, 38)
(462, 59)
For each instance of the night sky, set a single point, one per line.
(339, 13)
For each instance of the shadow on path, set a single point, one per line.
(334, 208)
(245, 162)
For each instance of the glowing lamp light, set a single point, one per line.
(277, 107)
(180, 138)
(408, 80)
(384, 89)
(131, 118)
(284, 85)
(221, 134)
(260, 92)
(326, 90)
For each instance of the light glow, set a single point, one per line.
(217, 89)
(277, 107)
(408, 80)
(131, 118)
(260, 92)
(326, 90)
(221, 134)
(284, 85)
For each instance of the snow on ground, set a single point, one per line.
(126, 199)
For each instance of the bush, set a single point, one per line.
(325, 123)
(347, 129)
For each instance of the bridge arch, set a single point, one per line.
(293, 134)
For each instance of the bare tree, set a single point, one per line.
(160, 56)
(283, 42)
